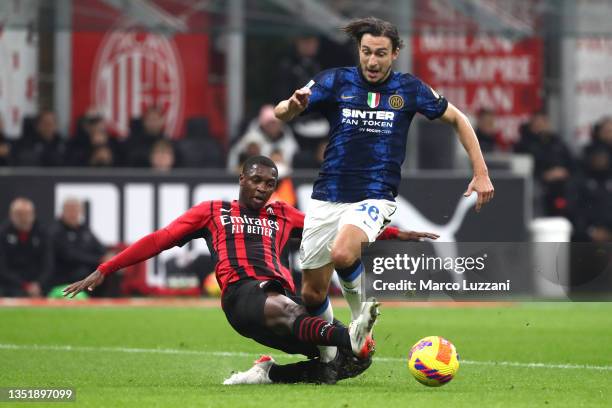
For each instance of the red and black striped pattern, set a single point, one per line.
(245, 244)
(311, 329)
(248, 244)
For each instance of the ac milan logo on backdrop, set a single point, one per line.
(133, 71)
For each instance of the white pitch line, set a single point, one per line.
(42, 347)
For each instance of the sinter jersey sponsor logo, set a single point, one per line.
(368, 121)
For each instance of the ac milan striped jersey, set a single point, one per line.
(244, 243)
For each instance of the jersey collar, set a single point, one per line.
(250, 210)
(369, 84)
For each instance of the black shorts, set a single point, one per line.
(243, 303)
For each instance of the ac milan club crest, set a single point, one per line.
(133, 71)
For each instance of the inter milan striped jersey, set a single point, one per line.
(368, 130)
(244, 243)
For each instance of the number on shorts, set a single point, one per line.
(373, 211)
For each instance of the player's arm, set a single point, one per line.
(401, 235)
(312, 97)
(481, 183)
(147, 247)
(289, 108)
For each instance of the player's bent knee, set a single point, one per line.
(280, 313)
(343, 257)
(312, 295)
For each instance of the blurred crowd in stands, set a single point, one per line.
(578, 187)
(575, 186)
(38, 259)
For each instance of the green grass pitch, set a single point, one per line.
(530, 355)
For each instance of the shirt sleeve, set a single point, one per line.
(178, 232)
(296, 216)
(429, 103)
(295, 219)
(321, 87)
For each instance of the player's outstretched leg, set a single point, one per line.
(311, 371)
(284, 316)
(258, 374)
(315, 286)
(266, 371)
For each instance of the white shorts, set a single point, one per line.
(324, 220)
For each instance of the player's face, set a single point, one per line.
(257, 185)
(375, 57)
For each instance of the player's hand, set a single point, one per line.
(482, 185)
(415, 236)
(299, 100)
(89, 283)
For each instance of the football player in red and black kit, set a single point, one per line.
(246, 238)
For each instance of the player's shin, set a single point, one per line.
(324, 311)
(350, 280)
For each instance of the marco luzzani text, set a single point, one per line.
(406, 264)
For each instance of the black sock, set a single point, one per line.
(301, 372)
(315, 330)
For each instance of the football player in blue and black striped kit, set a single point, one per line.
(370, 108)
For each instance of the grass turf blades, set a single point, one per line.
(179, 357)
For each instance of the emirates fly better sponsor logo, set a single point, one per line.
(247, 225)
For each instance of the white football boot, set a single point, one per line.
(258, 374)
(360, 329)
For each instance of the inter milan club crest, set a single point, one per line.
(396, 102)
(134, 71)
(373, 99)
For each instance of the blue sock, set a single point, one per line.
(350, 278)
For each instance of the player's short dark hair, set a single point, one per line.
(254, 160)
(376, 27)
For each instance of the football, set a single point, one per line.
(433, 361)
